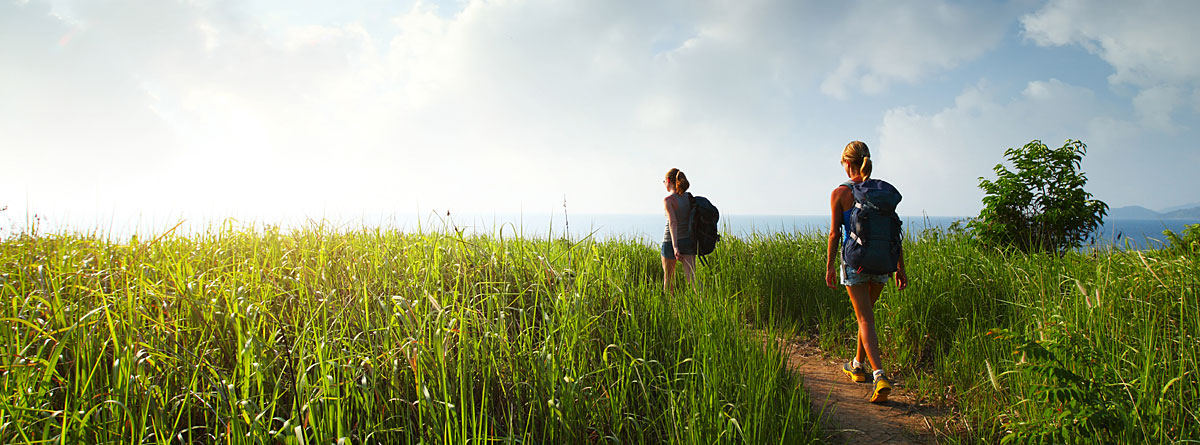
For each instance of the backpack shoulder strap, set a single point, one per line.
(854, 191)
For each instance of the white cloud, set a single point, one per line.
(937, 157)
(1155, 105)
(1150, 45)
(883, 42)
(137, 107)
(161, 106)
(60, 92)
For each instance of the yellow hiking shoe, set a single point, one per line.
(856, 373)
(883, 387)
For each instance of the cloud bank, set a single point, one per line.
(137, 107)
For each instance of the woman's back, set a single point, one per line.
(682, 213)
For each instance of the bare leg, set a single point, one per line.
(668, 275)
(689, 268)
(875, 290)
(863, 297)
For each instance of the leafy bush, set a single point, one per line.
(1041, 206)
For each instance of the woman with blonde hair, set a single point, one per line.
(863, 286)
(677, 245)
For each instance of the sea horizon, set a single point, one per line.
(645, 228)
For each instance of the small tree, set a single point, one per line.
(1042, 205)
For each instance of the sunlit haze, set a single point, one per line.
(157, 110)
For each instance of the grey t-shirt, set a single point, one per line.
(683, 212)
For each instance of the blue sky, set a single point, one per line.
(269, 109)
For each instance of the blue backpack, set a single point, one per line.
(874, 228)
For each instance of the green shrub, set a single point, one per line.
(1041, 206)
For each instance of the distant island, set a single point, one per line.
(1191, 211)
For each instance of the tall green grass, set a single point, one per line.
(1125, 324)
(371, 336)
(377, 336)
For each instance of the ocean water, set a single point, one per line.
(1131, 233)
(648, 229)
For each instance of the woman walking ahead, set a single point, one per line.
(677, 245)
(864, 288)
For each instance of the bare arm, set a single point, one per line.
(669, 205)
(835, 234)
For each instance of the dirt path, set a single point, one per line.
(847, 415)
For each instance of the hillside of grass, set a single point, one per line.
(1096, 346)
(316, 336)
(374, 336)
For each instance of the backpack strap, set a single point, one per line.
(856, 239)
(859, 205)
(850, 185)
(692, 229)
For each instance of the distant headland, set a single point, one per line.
(1189, 211)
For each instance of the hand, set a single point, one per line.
(829, 274)
(677, 255)
(901, 279)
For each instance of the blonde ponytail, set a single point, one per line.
(857, 155)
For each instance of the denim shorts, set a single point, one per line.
(852, 278)
(686, 247)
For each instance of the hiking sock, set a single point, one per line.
(876, 374)
(855, 363)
